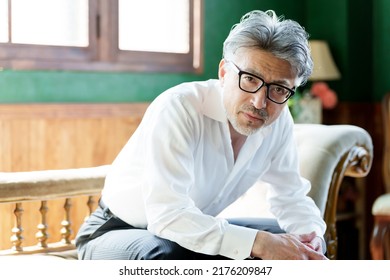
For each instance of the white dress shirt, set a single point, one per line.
(177, 173)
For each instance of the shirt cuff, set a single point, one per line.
(237, 242)
(324, 246)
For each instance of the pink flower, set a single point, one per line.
(328, 96)
(318, 88)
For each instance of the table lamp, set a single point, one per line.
(325, 68)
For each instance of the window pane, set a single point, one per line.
(50, 22)
(154, 25)
(3, 21)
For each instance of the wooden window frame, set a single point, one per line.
(103, 53)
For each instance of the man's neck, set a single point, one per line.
(237, 140)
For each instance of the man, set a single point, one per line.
(200, 146)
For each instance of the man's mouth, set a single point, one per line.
(253, 117)
(256, 115)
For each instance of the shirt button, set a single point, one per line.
(235, 252)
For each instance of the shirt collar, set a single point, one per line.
(213, 103)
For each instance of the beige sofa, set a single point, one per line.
(327, 154)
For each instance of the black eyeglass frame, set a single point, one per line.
(240, 73)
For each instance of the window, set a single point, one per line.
(115, 35)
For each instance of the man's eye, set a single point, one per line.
(279, 90)
(250, 79)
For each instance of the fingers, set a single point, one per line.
(311, 246)
(307, 237)
(311, 249)
(311, 240)
(313, 255)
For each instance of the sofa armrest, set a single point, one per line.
(327, 154)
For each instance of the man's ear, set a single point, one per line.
(221, 69)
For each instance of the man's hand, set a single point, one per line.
(268, 246)
(311, 240)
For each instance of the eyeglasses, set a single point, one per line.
(252, 84)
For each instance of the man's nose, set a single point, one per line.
(259, 98)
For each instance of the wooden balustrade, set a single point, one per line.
(43, 242)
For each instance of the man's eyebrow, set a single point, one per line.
(258, 74)
(281, 82)
(253, 72)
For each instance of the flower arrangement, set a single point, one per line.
(319, 93)
(327, 96)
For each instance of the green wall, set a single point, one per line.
(333, 29)
(357, 31)
(381, 47)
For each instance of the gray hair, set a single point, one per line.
(285, 39)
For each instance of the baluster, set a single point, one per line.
(42, 235)
(90, 204)
(16, 238)
(66, 230)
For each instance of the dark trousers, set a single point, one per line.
(106, 237)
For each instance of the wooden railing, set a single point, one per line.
(21, 188)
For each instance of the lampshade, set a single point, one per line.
(324, 67)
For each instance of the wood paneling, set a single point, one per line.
(57, 136)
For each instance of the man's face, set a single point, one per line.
(248, 112)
